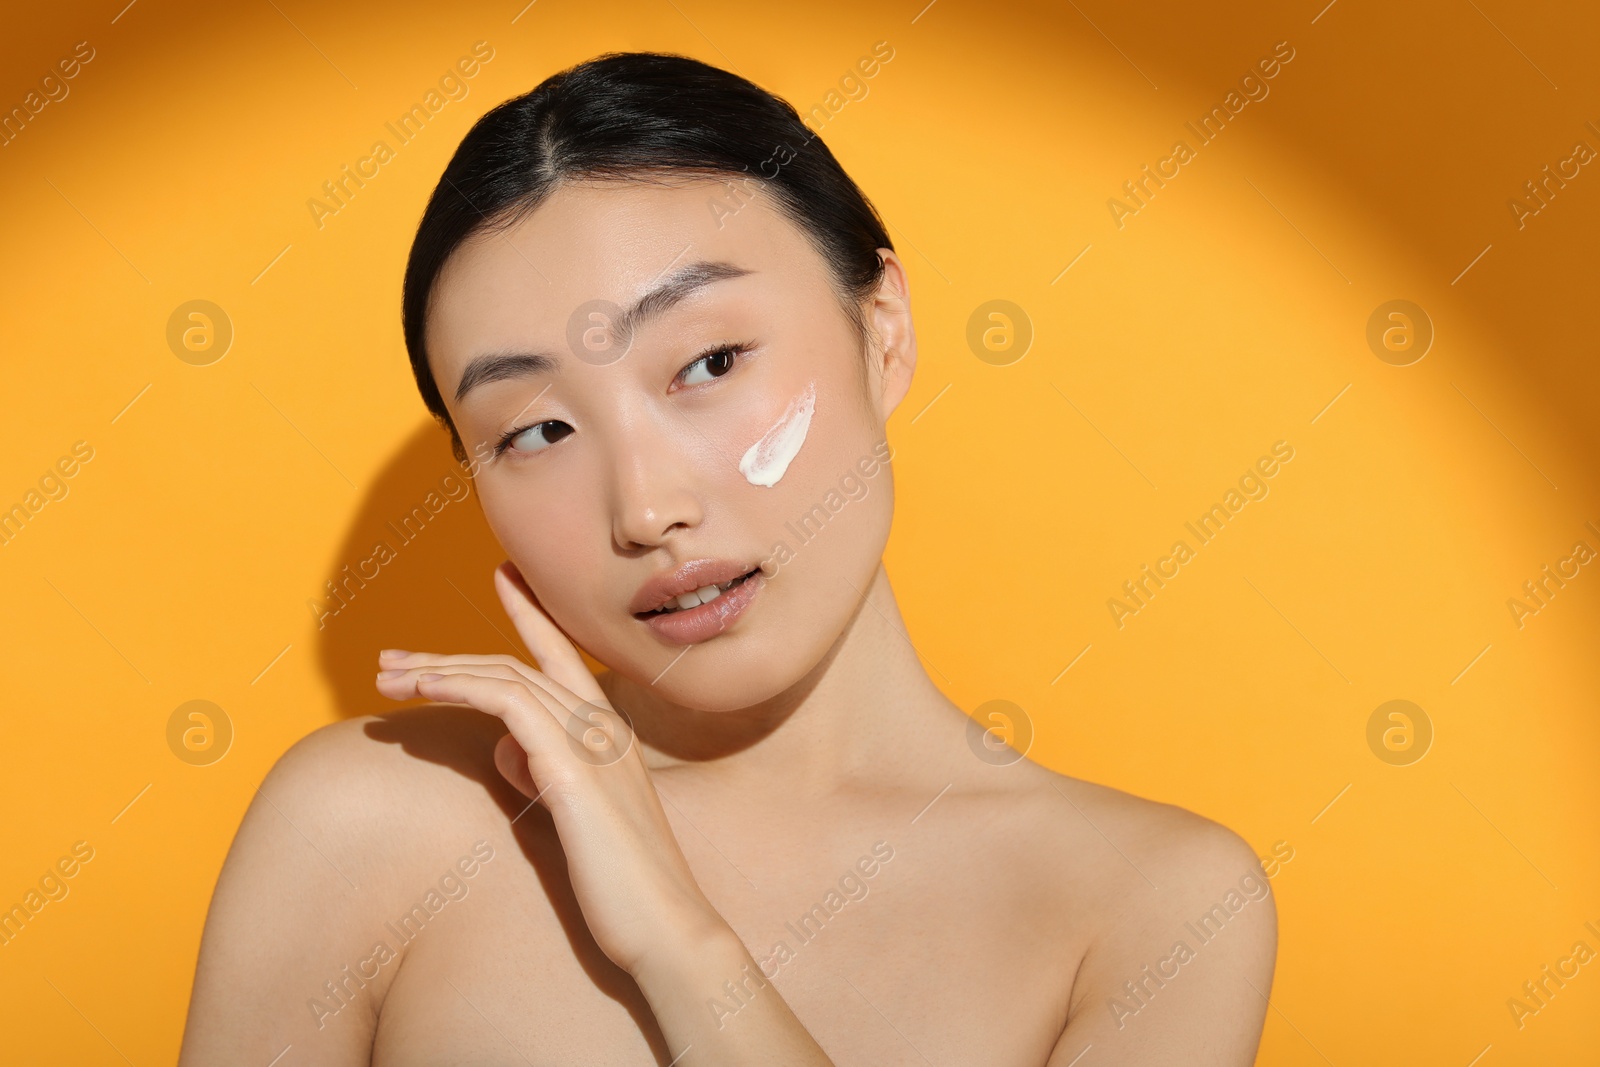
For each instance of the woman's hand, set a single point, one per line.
(572, 752)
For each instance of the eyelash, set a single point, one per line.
(735, 348)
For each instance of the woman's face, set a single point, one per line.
(642, 445)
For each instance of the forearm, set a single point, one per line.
(716, 1009)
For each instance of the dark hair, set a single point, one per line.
(623, 115)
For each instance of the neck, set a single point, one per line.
(869, 695)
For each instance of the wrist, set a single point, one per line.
(699, 943)
(708, 993)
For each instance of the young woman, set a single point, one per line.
(665, 332)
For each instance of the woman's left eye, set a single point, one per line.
(714, 364)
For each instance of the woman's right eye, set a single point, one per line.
(535, 438)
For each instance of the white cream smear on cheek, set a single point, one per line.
(766, 460)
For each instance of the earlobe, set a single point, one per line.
(897, 333)
(899, 364)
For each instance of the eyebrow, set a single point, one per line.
(679, 286)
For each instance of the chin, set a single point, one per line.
(715, 690)
(734, 671)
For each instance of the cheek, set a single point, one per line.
(841, 431)
(550, 545)
(766, 461)
(831, 519)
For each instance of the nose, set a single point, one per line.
(654, 497)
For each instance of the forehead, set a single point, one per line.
(607, 240)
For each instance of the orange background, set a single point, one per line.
(1224, 316)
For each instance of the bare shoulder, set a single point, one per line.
(1173, 845)
(1180, 937)
(380, 788)
(379, 765)
(341, 829)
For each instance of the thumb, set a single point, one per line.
(512, 761)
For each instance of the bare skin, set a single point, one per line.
(801, 851)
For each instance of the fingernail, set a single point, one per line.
(390, 674)
(431, 677)
(392, 653)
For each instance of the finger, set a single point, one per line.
(509, 757)
(390, 658)
(597, 735)
(410, 661)
(512, 761)
(574, 702)
(403, 685)
(526, 711)
(553, 650)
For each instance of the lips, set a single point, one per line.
(701, 598)
(664, 589)
(708, 619)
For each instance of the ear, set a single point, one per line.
(895, 352)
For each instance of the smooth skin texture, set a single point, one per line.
(671, 849)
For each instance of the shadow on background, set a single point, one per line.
(414, 571)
